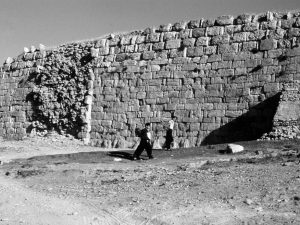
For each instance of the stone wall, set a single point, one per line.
(220, 79)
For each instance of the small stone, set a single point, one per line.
(248, 201)
(26, 50)
(117, 159)
(9, 60)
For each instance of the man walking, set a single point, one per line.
(145, 143)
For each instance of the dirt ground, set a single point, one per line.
(59, 181)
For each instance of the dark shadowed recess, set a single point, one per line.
(249, 126)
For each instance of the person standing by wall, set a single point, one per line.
(169, 136)
(145, 143)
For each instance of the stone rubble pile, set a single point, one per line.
(287, 117)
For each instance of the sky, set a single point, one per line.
(24, 23)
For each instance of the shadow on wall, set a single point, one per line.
(249, 126)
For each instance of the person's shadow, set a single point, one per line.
(121, 154)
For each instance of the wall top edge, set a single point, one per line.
(223, 20)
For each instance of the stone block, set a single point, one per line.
(209, 126)
(114, 41)
(141, 95)
(250, 27)
(153, 82)
(121, 57)
(271, 25)
(198, 32)
(214, 58)
(180, 60)
(210, 50)
(184, 34)
(216, 113)
(293, 52)
(163, 100)
(165, 27)
(271, 88)
(144, 47)
(172, 44)
(169, 36)
(190, 42)
(193, 24)
(224, 65)
(274, 53)
(194, 51)
(267, 44)
(173, 82)
(148, 55)
(178, 26)
(195, 127)
(140, 39)
(170, 107)
(126, 40)
(220, 39)
(162, 74)
(155, 95)
(225, 72)
(234, 148)
(214, 31)
(158, 46)
(189, 67)
(224, 20)
(202, 41)
(174, 53)
(228, 48)
(240, 37)
(159, 61)
(146, 114)
(243, 19)
(153, 37)
(207, 23)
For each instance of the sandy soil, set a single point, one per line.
(58, 180)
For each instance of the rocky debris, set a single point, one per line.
(285, 121)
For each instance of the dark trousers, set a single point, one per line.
(168, 143)
(144, 145)
(169, 139)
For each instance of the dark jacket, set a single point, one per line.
(143, 135)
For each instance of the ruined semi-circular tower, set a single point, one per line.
(222, 80)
